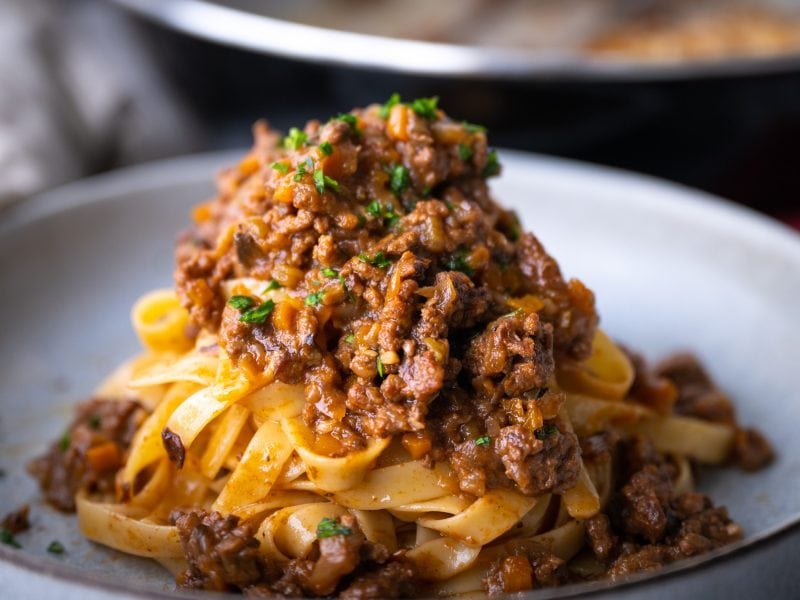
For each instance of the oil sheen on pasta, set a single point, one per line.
(370, 382)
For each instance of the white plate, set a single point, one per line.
(672, 269)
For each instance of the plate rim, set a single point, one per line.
(672, 197)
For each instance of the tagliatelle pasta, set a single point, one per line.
(370, 383)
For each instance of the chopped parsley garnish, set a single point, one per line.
(465, 152)
(426, 191)
(8, 539)
(326, 148)
(303, 168)
(376, 209)
(492, 165)
(315, 298)
(545, 432)
(398, 179)
(241, 303)
(349, 119)
(458, 262)
(386, 109)
(295, 140)
(379, 260)
(63, 443)
(280, 167)
(272, 285)
(94, 422)
(330, 527)
(334, 273)
(381, 368)
(55, 547)
(349, 338)
(425, 107)
(322, 181)
(258, 314)
(483, 440)
(473, 128)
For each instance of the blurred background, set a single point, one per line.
(702, 92)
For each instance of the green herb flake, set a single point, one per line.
(374, 208)
(326, 148)
(379, 260)
(241, 303)
(330, 272)
(425, 107)
(280, 167)
(398, 179)
(272, 285)
(545, 432)
(458, 262)
(389, 216)
(483, 440)
(492, 164)
(259, 314)
(295, 140)
(465, 152)
(330, 527)
(350, 120)
(63, 443)
(322, 181)
(473, 128)
(55, 547)
(349, 338)
(94, 422)
(303, 168)
(381, 368)
(315, 299)
(386, 109)
(8, 539)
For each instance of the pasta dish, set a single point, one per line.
(369, 382)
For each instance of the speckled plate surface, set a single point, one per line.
(672, 269)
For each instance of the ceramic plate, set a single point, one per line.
(672, 269)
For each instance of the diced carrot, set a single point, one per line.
(104, 457)
(418, 444)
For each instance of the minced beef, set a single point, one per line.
(395, 274)
(222, 554)
(89, 454)
(647, 524)
(16, 521)
(698, 396)
(528, 567)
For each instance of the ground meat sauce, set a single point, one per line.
(699, 397)
(16, 521)
(223, 555)
(415, 304)
(88, 456)
(647, 524)
(411, 304)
